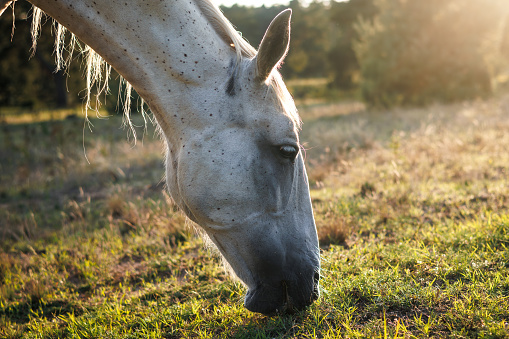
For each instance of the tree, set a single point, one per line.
(343, 62)
(416, 52)
(310, 41)
(32, 83)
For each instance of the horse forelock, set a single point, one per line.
(284, 98)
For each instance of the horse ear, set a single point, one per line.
(274, 45)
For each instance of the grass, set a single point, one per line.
(411, 207)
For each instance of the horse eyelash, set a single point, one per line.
(303, 149)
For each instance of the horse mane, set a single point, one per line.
(98, 70)
(225, 29)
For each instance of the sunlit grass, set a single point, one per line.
(411, 208)
(19, 115)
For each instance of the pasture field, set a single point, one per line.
(412, 209)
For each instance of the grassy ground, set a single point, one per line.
(412, 213)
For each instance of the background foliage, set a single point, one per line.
(393, 51)
(415, 52)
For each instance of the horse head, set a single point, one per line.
(241, 177)
(233, 159)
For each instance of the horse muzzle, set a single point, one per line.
(283, 297)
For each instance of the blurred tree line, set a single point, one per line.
(32, 84)
(28, 79)
(395, 52)
(415, 52)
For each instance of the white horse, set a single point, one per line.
(233, 160)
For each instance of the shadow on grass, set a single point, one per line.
(22, 312)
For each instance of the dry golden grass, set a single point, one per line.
(461, 142)
(334, 230)
(386, 158)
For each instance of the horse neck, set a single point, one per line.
(165, 49)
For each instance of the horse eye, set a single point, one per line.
(288, 152)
